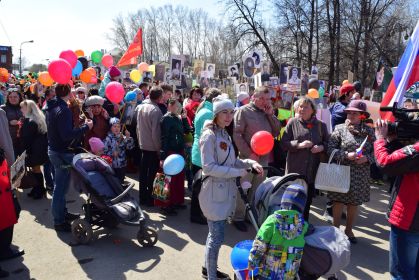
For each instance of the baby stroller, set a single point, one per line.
(327, 249)
(108, 203)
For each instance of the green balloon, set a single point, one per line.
(96, 56)
(321, 92)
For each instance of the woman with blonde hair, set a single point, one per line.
(33, 135)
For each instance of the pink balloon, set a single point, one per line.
(115, 92)
(107, 60)
(60, 71)
(143, 67)
(70, 57)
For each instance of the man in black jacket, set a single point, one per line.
(61, 136)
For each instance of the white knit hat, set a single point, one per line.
(221, 103)
(242, 96)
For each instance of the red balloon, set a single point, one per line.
(60, 71)
(107, 60)
(70, 56)
(262, 143)
(115, 92)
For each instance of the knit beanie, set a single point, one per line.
(221, 103)
(294, 198)
(96, 144)
(113, 121)
(114, 72)
(242, 96)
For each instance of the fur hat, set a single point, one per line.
(94, 100)
(114, 72)
(294, 198)
(221, 103)
(82, 89)
(96, 144)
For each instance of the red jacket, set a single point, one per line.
(404, 201)
(7, 208)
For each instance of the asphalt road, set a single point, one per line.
(179, 253)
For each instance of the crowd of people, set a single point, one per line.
(213, 133)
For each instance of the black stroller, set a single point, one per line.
(107, 204)
(327, 249)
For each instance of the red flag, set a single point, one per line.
(134, 50)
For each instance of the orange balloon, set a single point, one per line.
(45, 79)
(91, 71)
(313, 93)
(79, 53)
(86, 76)
(345, 82)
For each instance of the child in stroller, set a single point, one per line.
(278, 247)
(326, 249)
(108, 203)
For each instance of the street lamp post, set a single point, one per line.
(20, 56)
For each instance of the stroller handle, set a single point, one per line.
(274, 170)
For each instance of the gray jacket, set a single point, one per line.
(5, 139)
(148, 126)
(218, 193)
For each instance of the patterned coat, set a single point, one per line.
(345, 141)
(278, 247)
(118, 144)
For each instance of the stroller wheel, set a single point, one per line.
(147, 237)
(82, 231)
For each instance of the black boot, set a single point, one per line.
(39, 191)
(3, 273)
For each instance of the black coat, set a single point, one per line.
(35, 143)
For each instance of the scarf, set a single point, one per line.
(357, 129)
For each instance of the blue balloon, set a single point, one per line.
(173, 165)
(130, 96)
(240, 255)
(77, 69)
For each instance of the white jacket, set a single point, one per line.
(218, 192)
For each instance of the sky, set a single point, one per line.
(57, 25)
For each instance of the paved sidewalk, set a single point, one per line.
(178, 254)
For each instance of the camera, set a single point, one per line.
(406, 125)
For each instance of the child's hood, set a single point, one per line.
(289, 223)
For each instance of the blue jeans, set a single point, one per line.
(404, 254)
(214, 241)
(62, 165)
(49, 174)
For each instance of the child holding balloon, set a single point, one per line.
(220, 168)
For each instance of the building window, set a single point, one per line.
(3, 58)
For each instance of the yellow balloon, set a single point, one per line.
(135, 75)
(152, 69)
(345, 82)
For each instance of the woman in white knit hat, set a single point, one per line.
(220, 167)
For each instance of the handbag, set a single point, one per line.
(161, 190)
(333, 177)
(29, 180)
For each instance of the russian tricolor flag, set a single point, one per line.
(407, 73)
